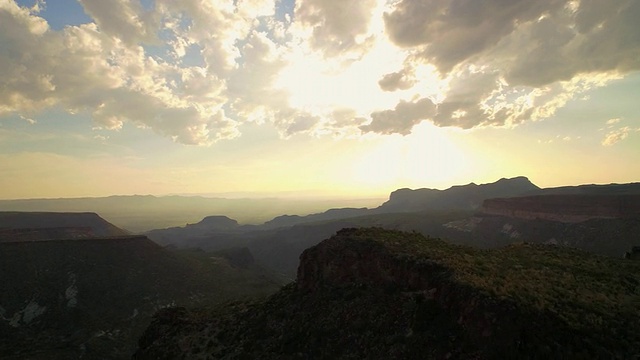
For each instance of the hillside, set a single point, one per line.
(379, 294)
(32, 226)
(91, 298)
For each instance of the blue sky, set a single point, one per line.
(318, 97)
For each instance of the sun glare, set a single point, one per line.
(318, 84)
(425, 158)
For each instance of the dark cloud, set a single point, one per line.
(401, 119)
(509, 61)
(400, 80)
(533, 42)
(452, 31)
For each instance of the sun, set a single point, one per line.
(428, 157)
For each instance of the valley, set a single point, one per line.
(77, 286)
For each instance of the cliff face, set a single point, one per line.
(373, 293)
(565, 208)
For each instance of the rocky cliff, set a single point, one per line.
(565, 208)
(378, 294)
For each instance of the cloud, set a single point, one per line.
(29, 120)
(336, 27)
(103, 69)
(123, 19)
(613, 121)
(538, 42)
(400, 80)
(401, 119)
(515, 61)
(333, 67)
(615, 136)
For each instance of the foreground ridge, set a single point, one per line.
(374, 293)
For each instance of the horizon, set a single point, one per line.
(314, 98)
(315, 196)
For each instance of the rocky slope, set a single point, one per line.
(379, 294)
(90, 299)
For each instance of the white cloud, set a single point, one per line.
(615, 136)
(29, 120)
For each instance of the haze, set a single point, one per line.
(327, 98)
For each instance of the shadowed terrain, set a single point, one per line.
(374, 293)
(91, 298)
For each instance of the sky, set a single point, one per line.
(330, 98)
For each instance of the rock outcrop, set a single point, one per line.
(378, 294)
(565, 208)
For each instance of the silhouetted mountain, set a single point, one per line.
(592, 189)
(331, 214)
(461, 197)
(29, 226)
(215, 223)
(190, 234)
(456, 221)
(70, 299)
(140, 213)
(378, 294)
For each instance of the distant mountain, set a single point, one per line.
(461, 197)
(207, 227)
(379, 294)
(90, 299)
(141, 213)
(215, 222)
(331, 214)
(454, 214)
(29, 226)
(592, 189)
